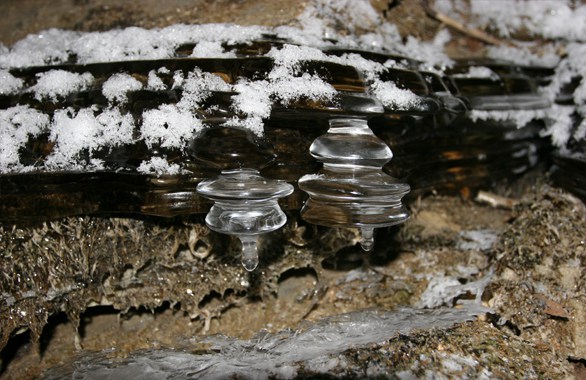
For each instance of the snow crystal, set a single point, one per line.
(159, 166)
(520, 117)
(8, 83)
(48, 47)
(17, 124)
(559, 124)
(310, 86)
(252, 98)
(252, 123)
(291, 55)
(72, 132)
(198, 86)
(57, 84)
(478, 72)
(430, 53)
(394, 97)
(56, 46)
(547, 18)
(116, 129)
(562, 19)
(169, 126)
(154, 82)
(211, 49)
(118, 85)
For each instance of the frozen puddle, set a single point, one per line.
(316, 348)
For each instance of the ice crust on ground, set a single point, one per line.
(268, 355)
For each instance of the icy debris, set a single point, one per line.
(168, 126)
(159, 166)
(267, 355)
(116, 87)
(8, 83)
(443, 290)
(479, 240)
(57, 84)
(17, 124)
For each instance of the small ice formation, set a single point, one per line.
(352, 190)
(245, 206)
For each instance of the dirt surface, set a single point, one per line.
(533, 257)
(21, 18)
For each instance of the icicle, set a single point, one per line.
(352, 190)
(245, 206)
(249, 252)
(367, 239)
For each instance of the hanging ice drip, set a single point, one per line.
(352, 190)
(245, 206)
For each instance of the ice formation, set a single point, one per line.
(281, 355)
(352, 190)
(245, 206)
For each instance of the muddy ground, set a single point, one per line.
(525, 263)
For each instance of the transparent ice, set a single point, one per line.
(352, 190)
(245, 206)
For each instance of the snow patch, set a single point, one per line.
(9, 84)
(56, 84)
(169, 127)
(159, 166)
(393, 97)
(118, 85)
(17, 125)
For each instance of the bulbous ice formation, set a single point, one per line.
(352, 190)
(245, 206)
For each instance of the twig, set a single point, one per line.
(472, 32)
(496, 200)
